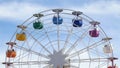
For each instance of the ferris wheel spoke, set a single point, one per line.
(78, 40)
(86, 48)
(29, 50)
(27, 62)
(58, 37)
(89, 52)
(66, 41)
(88, 60)
(101, 65)
(49, 39)
(40, 43)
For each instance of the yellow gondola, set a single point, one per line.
(21, 36)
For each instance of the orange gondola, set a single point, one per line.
(11, 53)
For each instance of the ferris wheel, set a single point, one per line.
(59, 38)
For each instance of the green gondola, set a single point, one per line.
(37, 25)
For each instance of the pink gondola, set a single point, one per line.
(94, 32)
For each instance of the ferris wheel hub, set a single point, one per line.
(57, 59)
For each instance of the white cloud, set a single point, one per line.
(18, 11)
(15, 10)
(100, 8)
(103, 8)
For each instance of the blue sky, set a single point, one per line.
(14, 12)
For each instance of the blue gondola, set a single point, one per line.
(57, 20)
(77, 22)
